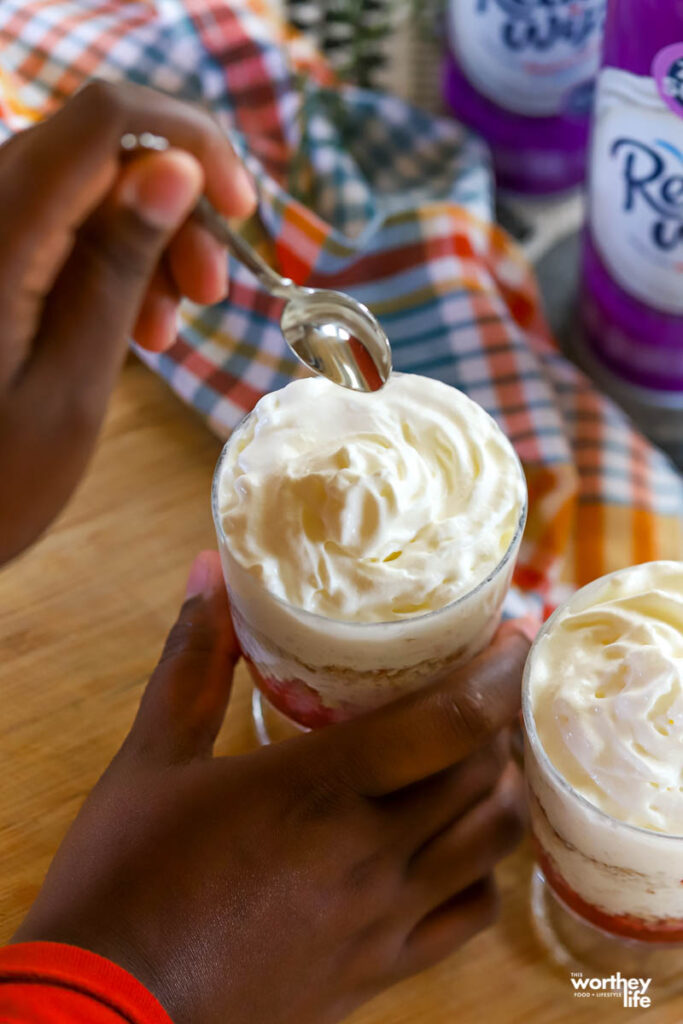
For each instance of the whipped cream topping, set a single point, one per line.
(369, 508)
(606, 690)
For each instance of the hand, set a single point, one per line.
(288, 885)
(94, 250)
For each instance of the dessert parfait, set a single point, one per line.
(367, 541)
(603, 710)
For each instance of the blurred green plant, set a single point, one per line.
(353, 33)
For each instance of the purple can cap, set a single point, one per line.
(637, 30)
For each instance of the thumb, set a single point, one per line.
(184, 704)
(94, 304)
(85, 323)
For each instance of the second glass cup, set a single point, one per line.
(606, 894)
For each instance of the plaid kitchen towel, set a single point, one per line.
(364, 193)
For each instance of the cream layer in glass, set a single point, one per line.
(603, 708)
(367, 541)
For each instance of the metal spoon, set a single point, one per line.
(332, 334)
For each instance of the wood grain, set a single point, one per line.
(83, 617)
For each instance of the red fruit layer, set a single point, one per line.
(297, 700)
(626, 926)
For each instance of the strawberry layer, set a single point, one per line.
(624, 925)
(297, 701)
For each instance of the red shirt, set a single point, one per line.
(49, 983)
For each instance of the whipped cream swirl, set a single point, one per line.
(606, 688)
(370, 508)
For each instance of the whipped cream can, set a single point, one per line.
(522, 73)
(632, 304)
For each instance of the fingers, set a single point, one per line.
(199, 264)
(449, 881)
(131, 108)
(75, 155)
(471, 847)
(415, 815)
(183, 706)
(449, 927)
(54, 176)
(98, 296)
(423, 734)
(58, 402)
(156, 327)
(90, 313)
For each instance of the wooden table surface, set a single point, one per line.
(82, 619)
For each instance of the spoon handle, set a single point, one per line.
(206, 215)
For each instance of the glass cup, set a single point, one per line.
(606, 896)
(310, 670)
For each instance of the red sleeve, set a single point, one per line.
(50, 983)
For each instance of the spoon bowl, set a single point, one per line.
(337, 337)
(331, 333)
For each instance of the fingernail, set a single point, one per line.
(167, 312)
(244, 184)
(529, 626)
(222, 283)
(162, 188)
(200, 579)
